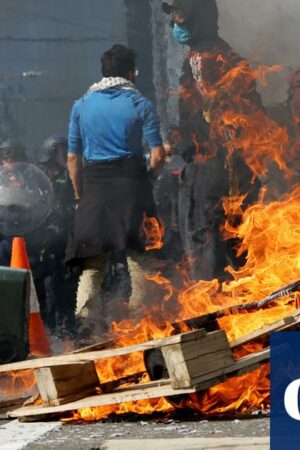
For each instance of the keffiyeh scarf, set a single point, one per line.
(113, 82)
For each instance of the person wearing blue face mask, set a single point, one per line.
(181, 34)
(211, 172)
(179, 30)
(192, 21)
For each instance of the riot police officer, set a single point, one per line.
(57, 284)
(12, 151)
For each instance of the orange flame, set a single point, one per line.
(269, 235)
(226, 397)
(233, 109)
(138, 407)
(154, 231)
(16, 385)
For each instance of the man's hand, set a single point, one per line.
(75, 173)
(157, 160)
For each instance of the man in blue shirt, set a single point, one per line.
(107, 166)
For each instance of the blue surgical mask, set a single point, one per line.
(181, 34)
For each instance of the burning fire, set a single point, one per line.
(272, 261)
(236, 116)
(269, 235)
(243, 394)
(17, 385)
(138, 407)
(154, 232)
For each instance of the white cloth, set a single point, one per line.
(113, 82)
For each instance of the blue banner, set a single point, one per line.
(285, 387)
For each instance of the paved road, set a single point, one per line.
(116, 435)
(190, 444)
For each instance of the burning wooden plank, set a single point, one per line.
(209, 321)
(194, 361)
(64, 384)
(155, 389)
(287, 323)
(188, 360)
(79, 358)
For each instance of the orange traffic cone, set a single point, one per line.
(38, 339)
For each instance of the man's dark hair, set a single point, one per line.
(118, 61)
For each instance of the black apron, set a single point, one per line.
(116, 196)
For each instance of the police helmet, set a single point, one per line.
(50, 147)
(12, 149)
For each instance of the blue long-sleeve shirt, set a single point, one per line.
(111, 124)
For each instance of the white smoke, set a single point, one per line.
(266, 32)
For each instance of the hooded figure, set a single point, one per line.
(214, 168)
(199, 17)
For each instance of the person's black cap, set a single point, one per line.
(177, 5)
(167, 8)
(172, 5)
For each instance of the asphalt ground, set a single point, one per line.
(93, 436)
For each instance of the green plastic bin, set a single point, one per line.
(14, 314)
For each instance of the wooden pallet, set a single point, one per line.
(182, 377)
(195, 361)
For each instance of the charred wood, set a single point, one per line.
(209, 321)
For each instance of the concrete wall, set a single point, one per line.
(61, 39)
(167, 64)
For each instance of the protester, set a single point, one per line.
(106, 163)
(211, 172)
